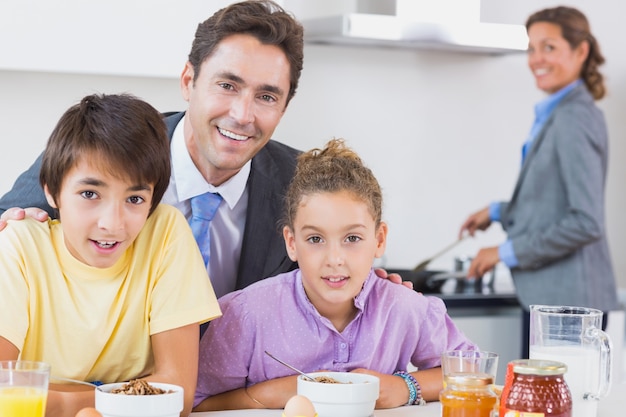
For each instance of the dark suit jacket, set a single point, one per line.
(555, 218)
(263, 253)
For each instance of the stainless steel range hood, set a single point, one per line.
(362, 29)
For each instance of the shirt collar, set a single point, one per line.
(190, 182)
(544, 108)
(359, 301)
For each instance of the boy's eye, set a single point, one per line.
(135, 199)
(353, 238)
(89, 195)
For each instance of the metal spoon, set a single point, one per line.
(422, 265)
(310, 378)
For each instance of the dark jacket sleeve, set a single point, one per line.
(26, 191)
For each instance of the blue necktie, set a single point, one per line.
(203, 209)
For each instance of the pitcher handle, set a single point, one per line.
(606, 362)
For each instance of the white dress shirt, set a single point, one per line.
(227, 226)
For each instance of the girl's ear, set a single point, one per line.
(290, 243)
(49, 197)
(381, 237)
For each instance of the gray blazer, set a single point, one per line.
(555, 218)
(263, 253)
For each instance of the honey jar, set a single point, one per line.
(537, 389)
(468, 395)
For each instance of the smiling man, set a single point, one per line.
(243, 69)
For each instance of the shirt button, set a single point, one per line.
(343, 345)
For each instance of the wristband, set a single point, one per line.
(415, 392)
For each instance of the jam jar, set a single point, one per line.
(468, 395)
(537, 389)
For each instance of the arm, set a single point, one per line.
(176, 360)
(572, 172)
(268, 394)
(61, 401)
(175, 357)
(26, 191)
(394, 391)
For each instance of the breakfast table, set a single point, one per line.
(612, 406)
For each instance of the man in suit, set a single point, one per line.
(242, 72)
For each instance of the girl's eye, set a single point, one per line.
(135, 199)
(314, 239)
(89, 195)
(353, 239)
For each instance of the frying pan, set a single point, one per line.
(420, 279)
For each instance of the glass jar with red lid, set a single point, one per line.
(537, 387)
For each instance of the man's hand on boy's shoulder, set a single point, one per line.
(17, 213)
(394, 277)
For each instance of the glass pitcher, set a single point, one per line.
(573, 335)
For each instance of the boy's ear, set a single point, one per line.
(49, 197)
(290, 243)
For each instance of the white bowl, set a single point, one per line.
(158, 405)
(355, 397)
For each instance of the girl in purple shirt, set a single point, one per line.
(332, 313)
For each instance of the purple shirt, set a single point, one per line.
(393, 327)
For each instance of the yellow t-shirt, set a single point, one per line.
(95, 323)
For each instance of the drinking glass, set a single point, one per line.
(23, 388)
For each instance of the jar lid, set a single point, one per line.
(538, 367)
(472, 380)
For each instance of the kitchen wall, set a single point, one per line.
(442, 131)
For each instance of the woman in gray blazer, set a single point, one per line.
(555, 220)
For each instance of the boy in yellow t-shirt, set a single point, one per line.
(115, 289)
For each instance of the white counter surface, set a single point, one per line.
(612, 406)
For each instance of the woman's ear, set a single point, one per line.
(290, 243)
(582, 52)
(49, 197)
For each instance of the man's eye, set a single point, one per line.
(268, 98)
(227, 86)
(89, 195)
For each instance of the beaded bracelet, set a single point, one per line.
(415, 392)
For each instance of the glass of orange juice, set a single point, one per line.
(23, 388)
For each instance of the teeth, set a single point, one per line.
(231, 135)
(335, 279)
(106, 245)
(541, 71)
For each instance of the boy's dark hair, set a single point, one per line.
(265, 20)
(124, 134)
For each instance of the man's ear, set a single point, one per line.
(290, 243)
(186, 80)
(49, 197)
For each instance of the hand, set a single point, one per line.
(17, 213)
(395, 278)
(393, 389)
(484, 261)
(477, 221)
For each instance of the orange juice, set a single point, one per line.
(22, 402)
